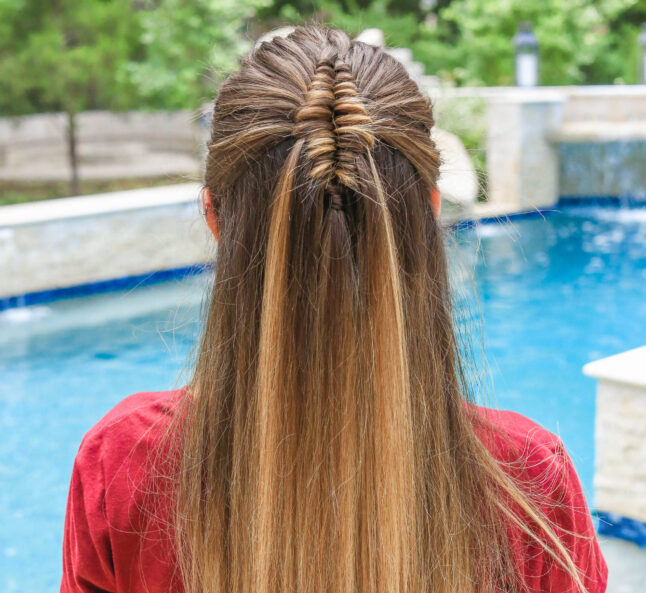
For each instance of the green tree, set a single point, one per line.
(67, 56)
(620, 63)
(469, 42)
(188, 46)
(303, 10)
(581, 41)
(70, 56)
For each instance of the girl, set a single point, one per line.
(326, 441)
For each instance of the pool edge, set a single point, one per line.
(101, 286)
(619, 527)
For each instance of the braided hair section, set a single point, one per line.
(315, 121)
(336, 125)
(352, 122)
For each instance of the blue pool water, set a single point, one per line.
(554, 294)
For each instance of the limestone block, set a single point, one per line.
(522, 163)
(620, 433)
(458, 182)
(278, 32)
(372, 37)
(109, 145)
(72, 241)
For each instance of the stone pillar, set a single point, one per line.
(620, 443)
(522, 162)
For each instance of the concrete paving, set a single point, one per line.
(626, 565)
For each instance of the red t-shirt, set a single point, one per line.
(103, 550)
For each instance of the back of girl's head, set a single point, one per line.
(326, 445)
(338, 119)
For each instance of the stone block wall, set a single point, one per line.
(620, 434)
(109, 145)
(72, 241)
(620, 473)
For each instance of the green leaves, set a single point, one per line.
(577, 39)
(170, 54)
(104, 54)
(188, 46)
(469, 42)
(64, 56)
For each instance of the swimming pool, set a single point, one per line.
(554, 292)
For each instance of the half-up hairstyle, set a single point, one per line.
(326, 445)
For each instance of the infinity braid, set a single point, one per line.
(334, 120)
(315, 121)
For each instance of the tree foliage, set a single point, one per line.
(581, 41)
(64, 55)
(71, 56)
(187, 46)
(469, 42)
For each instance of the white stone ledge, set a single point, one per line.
(620, 433)
(74, 241)
(112, 202)
(600, 131)
(628, 367)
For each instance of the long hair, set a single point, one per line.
(326, 440)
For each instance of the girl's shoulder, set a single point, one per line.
(539, 462)
(134, 414)
(125, 443)
(505, 429)
(113, 505)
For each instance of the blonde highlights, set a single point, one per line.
(325, 442)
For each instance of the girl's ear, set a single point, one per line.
(436, 201)
(209, 213)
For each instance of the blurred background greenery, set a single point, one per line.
(66, 55)
(71, 56)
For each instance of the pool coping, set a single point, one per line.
(31, 213)
(481, 214)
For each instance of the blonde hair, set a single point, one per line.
(325, 441)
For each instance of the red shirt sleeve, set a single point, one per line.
(87, 553)
(538, 461)
(115, 537)
(571, 518)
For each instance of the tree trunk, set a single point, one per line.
(75, 186)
